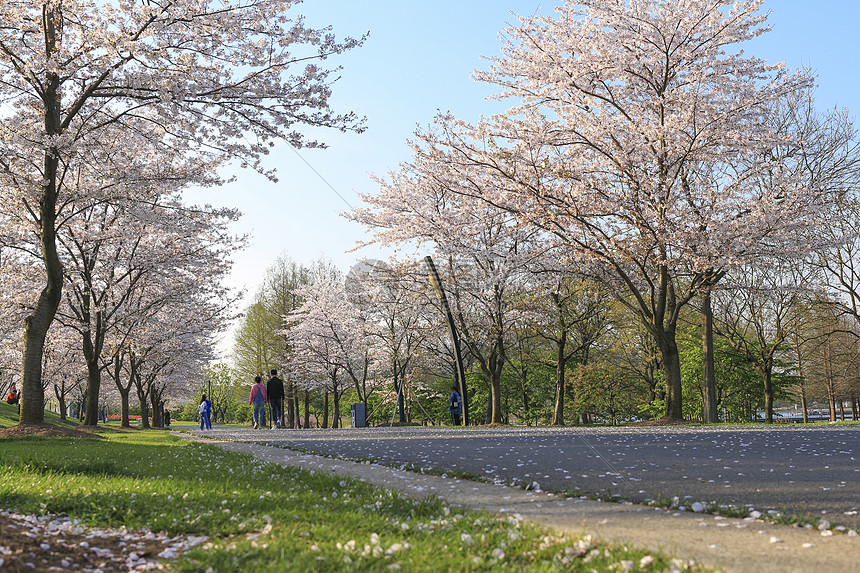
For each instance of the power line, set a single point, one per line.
(323, 179)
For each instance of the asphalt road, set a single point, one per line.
(800, 470)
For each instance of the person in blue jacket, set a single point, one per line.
(205, 409)
(455, 405)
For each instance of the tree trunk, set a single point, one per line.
(144, 408)
(292, 410)
(61, 399)
(768, 395)
(335, 418)
(496, 364)
(307, 409)
(94, 376)
(803, 404)
(709, 379)
(829, 382)
(325, 410)
(32, 408)
(401, 402)
(124, 391)
(125, 420)
(831, 401)
(672, 370)
(525, 396)
(558, 410)
(157, 408)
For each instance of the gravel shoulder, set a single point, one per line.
(724, 543)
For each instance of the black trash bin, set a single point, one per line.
(358, 414)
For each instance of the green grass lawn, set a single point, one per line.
(9, 416)
(262, 517)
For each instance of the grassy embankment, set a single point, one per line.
(262, 517)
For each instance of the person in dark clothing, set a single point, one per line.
(205, 409)
(455, 405)
(275, 390)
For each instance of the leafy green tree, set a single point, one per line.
(755, 317)
(280, 297)
(602, 389)
(256, 346)
(739, 389)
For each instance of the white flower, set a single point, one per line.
(498, 553)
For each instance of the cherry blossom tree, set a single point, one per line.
(113, 253)
(483, 247)
(639, 139)
(389, 298)
(327, 340)
(205, 81)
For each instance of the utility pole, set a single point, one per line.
(458, 357)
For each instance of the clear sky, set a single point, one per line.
(419, 59)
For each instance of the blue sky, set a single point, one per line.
(417, 60)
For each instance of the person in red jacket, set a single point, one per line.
(259, 399)
(12, 396)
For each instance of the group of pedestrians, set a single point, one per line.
(271, 393)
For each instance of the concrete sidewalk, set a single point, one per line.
(727, 544)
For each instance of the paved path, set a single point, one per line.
(800, 470)
(729, 544)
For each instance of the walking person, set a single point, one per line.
(259, 399)
(454, 405)
(205, 410)
(275, 392)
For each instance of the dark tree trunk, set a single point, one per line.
(558, 410)
(292, 410)
(768, 396)
(32, 407)
(335, 417)
(144, 408)
(92, 355)
(325, 410)
(124, 391)
(672, 370)
(803, 404)
(61, 399)
(709, 378)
